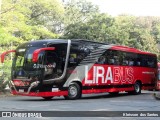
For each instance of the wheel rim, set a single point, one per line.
(137, 87)
(72, 91)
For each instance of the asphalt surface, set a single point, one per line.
(89, 103)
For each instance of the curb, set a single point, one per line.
(156, 96)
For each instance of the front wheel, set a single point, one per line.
(74, 91)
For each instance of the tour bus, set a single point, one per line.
(158, 78)
(70, 68)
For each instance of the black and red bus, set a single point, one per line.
(70, 68)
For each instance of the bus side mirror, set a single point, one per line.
(2, 56)
(36, 53)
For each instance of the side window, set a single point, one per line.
(76, 56)
(110, 57)
(105, 58)
(116, 57)
(143, 60)
(131, 59)
(138, 62)
(73, 58)
(148, 61)
(151, 62)
(125, 60)
(102, 60)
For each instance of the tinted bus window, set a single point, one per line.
(148, 61)
(114, 57)
(76, 55)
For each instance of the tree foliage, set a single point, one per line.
(23, 20)
(138, 32)
(27, 19)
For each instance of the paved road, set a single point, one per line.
(103, 102)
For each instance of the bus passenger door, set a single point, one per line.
(55, 61)
(50, 66)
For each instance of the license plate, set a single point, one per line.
(21, 90)
(55, 89)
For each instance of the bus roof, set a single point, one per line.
(65, 41)
(130, 49)
(114, 47)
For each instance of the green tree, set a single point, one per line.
(98, 28)
(24, 20)
(77, 12)
(126, 30)
(29, 19)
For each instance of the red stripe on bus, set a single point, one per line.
(107, 90)
(41, 94)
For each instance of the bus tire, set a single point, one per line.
(47, 98)
(137, 88)
(74, 91)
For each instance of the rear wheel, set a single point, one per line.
(137, 89)
(74, 91)
(47, 98)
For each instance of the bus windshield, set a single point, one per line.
(23, 65)
(50, 63)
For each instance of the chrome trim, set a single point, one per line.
(12, 85)
(146, 72)
(34, 84)
(65, 67)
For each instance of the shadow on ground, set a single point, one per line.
(85, 97)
